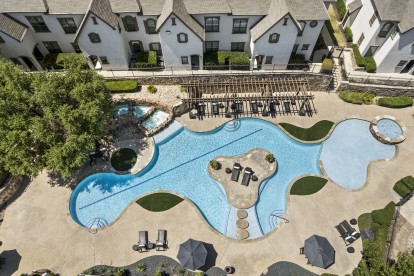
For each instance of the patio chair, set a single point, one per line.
(201, 109)
(272, 107)
(246, 176)
(350, 230)
(254, 107)
(215, 108)
(143, 241)
(161, 240)
(236, 172)
(287, 106)
(347, 238)
(301, 250)
(239, 107)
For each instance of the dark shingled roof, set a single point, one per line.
(249, 7)
(401, 11)
(103, 10)
(67, 7)
(12, 28)
(23, 6)
(207, 6)
(119, 6)
(307, 9)
(152, 7)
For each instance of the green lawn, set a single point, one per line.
(159, 202)
(308, 185)
(404, 186)
(314, 133)
(122, 86)
(123, 159)
(395, 102)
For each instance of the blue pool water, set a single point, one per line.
(121, 110)
(389, 128)
(180, 164)
(155, 119)
(140, 110)
(348, 152)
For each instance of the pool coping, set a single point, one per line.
(382, 138)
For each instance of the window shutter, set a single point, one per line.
(146, 26)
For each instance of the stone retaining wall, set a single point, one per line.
(379, 90)
(317, 82)
(382, 81)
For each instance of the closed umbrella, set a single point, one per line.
(319, 251)
(192, 254)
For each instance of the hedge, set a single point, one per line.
(227, 58)
(404, 186)
(297, 59)
(395, 102)
(348, 34)
(3, 176)
(371, 65)
(122, 86)
(340, 4)
(56, 61)
(356, 97)
(146, 59)
(327, 66)
(360, 60)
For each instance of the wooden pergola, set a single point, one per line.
(249, 96)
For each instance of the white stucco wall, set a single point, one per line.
(172, 50)
(225, 36)
(310, 36)
(112, 44)
(281, 50)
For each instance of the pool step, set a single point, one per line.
(275, 218)
(96, 223)
(233, 125)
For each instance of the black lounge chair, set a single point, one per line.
(161, 240)
(239, 107)
(272, 107)
(215, 108)
(143, 241)
(350, 230)
(236, 172)
(347, 238)
(254, 107)
(201, 109)
(287, 106)
(246, 176)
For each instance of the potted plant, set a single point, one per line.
(215, 165)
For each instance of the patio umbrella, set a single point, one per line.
(9, 261)
(319, 251)
(192, 254)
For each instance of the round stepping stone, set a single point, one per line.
(241, 214)
(242, 234)
(241, 223)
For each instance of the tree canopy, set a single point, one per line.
(51, 120)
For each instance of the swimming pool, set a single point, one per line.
(140, 110)
(155, 119)
(389, 128)
(180, 165)
(121, 110)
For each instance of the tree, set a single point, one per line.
(51, 120)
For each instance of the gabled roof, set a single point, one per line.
(207, 6)
(178, 8)
(307, 9)
(66, 7)
(249, 7)
(152, 7)
(401, 11)
(23, 6)
(277, 10)
(12, 28)
(354, 5)
(119, 6)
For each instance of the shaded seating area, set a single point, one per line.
(236, 172)
(161, 242)
(319, 251)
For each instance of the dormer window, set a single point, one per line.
(274, 38)
(386, 28)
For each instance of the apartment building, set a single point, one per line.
(384, 29)
(110, 32)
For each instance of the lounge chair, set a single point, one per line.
(239, 107)
(350, 230)
(143, 241)
(236, 172)
(254, 107)
(347, 238)
(215, 108)
(272, 107)
(161, 240)
(246, 176)
(201, 109)
(287, 106)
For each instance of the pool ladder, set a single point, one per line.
(275, 217)
(96, 223)
(233, 125)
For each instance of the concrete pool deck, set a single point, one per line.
(38, 224)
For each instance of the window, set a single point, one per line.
(94, 20)
(268, 59)
(302, 27)
(94, 37)
(76, 47)
(361, 38)
(305, 47)
(184, 60)
(104, 60)
(313, 24)
(385, 29)
(38, 24)
(68, 25)
(372, 20)
(212, 46)
(212, 24)
(173, 21)
(150, 26)
(182, 38)
(237, 46)
(1, 40)
(285, 21)
(155, 47)
(130, 23)
(52, 46)
(239, 25)
(274, 38)
(401, 63)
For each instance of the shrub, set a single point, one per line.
(404, 186)
(365, 221)
(327, 66)
(368, 98)
(227, 58)
(3, 176)
(215, 164)
(340, 4)
(122, 86)
(395, 102)
(348, 34)
(356, 97)
(409, 182)
(384, 216)
(152, 89)
(57, 61)
(370, 65)
(297, 59)
(122, 272)
(141, 267)
(199, 273)
(146, 59)
(360, 60)
(270, 158)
